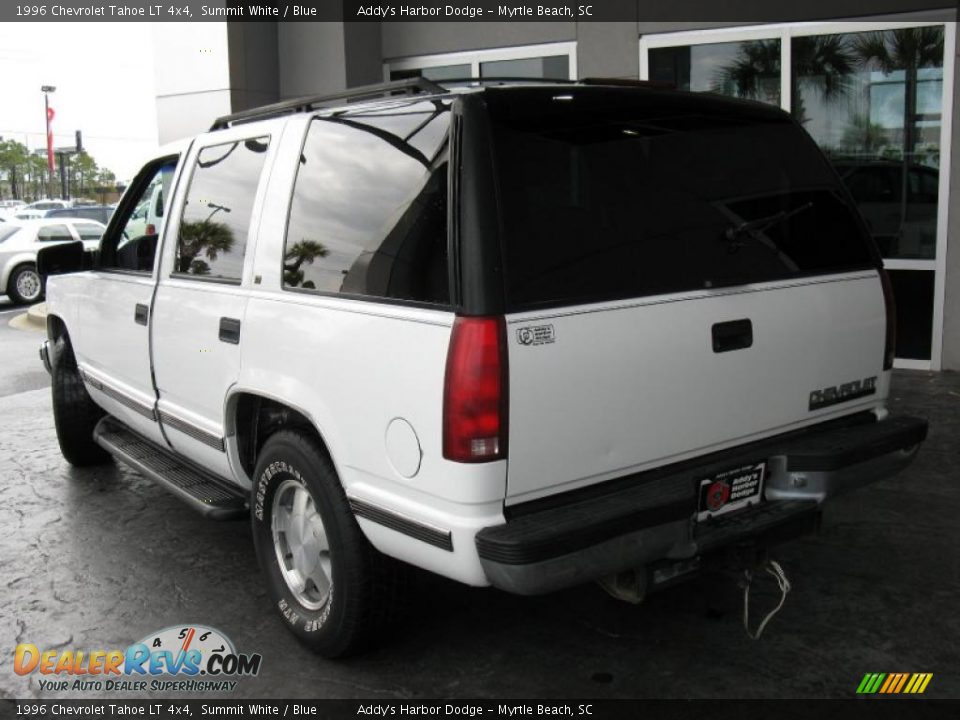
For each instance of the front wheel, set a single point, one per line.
(75, 415)
(25, 285)
(333, 589)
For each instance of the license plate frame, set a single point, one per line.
(730, 489)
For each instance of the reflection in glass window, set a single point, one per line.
(748, 69)
(216, 215)
(369, 212)
(440, 72)
(555, 67)
(873, 102)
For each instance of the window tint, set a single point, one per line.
(89, 231)
(216, 215)
(134, 246)
(369, 211)
(610, 194)
(54, 233)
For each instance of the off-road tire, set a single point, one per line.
(75, 415)
(366, 586)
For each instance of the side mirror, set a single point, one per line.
(65, 258)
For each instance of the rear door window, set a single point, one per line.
(219, 204)
(612, 194)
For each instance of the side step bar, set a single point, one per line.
(203, 492)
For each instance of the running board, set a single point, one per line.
(200, 490)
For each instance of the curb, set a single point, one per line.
(35, 318)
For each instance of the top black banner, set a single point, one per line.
(699, 11)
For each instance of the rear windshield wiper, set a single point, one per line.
(753, 228)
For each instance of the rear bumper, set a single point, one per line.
(651, 517)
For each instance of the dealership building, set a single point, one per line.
(877, 92)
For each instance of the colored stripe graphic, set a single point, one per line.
(894, 683)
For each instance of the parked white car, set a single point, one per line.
(527, 337)
(21, 240)
(39, 209)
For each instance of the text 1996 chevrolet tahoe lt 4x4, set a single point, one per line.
(521, 335)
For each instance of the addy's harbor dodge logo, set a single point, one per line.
(894, 683)
(179, 658)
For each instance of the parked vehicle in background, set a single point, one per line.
(20, 242)
(527, 336)
(11, 204)
(100, 213)
(39, 209)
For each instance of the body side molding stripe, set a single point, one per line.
(121, 397)
(437, 537)
(191, 430)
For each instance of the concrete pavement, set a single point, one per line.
(99, 558)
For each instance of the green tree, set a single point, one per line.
(83, 173)
(13, 161)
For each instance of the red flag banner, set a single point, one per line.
(50, 115)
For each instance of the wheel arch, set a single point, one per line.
(253, 416)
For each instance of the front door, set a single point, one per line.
(113, 347)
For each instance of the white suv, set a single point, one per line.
(526, 336)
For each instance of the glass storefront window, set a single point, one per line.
(873, 102)
(556, 67)
(438, 73)
(748, 69)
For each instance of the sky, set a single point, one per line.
(104, 77)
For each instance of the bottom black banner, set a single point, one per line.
(872, 708)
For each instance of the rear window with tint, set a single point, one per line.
(612, 194)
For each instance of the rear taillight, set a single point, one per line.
(890, 344)
(475, 391)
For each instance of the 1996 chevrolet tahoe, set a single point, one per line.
(526, 335)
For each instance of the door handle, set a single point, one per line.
(230, 330)
(141, 314)
(732, 335)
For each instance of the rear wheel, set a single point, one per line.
(75, 415)
(334, 590)
(25, 285)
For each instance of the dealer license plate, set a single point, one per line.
(730, 490)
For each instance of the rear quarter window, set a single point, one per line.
(369, 211)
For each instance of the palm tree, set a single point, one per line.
(908, 49)
(756, 60)
(822, 63)
(207, 237)
(304, 251)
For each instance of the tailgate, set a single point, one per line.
(605, 390)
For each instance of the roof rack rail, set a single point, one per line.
(629, 82)
(502, 81)
(612, 81)
(410, 86)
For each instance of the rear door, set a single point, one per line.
(681, 276)
(201, 300)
